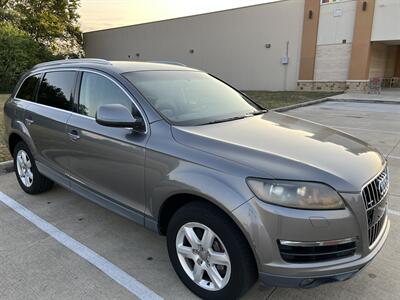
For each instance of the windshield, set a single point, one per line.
(191, 97)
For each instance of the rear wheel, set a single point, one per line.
(209, 253)
(28, 176)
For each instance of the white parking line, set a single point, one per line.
(115, 273)
(394, 157)
(394, 212)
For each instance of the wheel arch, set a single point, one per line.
(177, 201)
(13, 140)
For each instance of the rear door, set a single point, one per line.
(46, 119)
(106, 160)
(25, 95)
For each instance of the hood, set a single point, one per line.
(284, 147)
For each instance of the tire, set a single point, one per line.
(228, 240)
(28, 176)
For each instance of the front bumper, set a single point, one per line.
(265, 224)
(337, 275)
(293, 282)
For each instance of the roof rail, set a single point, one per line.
(175, 63)
(72, 61)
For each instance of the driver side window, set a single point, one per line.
(97, 90)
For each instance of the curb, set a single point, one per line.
(386, 101)
(6, 167)
(298, 105)
(328, 99)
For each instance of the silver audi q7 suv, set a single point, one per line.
(240, 192)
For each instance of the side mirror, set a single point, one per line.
(117, 115)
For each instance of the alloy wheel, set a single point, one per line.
(24, 168)
(203, 256)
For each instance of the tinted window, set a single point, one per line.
(27, 89)
(56, 89)
(190, 97)
(96, 90)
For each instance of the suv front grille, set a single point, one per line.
(315, 253)
(374, 196)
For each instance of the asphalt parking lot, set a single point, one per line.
(120, 257)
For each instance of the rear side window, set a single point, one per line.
(56, 89)
(28, 87)
(96, 90)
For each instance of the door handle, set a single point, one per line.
(74, 135)
(29, 121)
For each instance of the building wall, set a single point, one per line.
(386, 26)
(332, 62)
(357, 40)
(378, 60)
(361, 44)
(336, 22)
(391, 60)
(383, 60)
(397, 66)
(335, 35)
(309, 39)
(229, 44)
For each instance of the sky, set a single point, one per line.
(102, 14)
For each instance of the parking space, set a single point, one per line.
(35, 265)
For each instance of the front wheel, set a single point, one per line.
(209, 253)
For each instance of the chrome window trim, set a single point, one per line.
(43, 105)
(318, 243)
(147, 125)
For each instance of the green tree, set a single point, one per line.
(53, 23)
(5, 13)
(33, 31)
(18, 53)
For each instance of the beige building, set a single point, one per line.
(283, 45)
(346, 43)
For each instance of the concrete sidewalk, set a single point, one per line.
(391, 95)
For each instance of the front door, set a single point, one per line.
(106, 160)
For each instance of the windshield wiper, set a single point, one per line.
(257, 112)
(250, 114)
(225, 120)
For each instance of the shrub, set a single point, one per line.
(18, 53)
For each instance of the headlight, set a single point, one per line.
(296, 194)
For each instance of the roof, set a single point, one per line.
(117, 66)
(134, 66)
